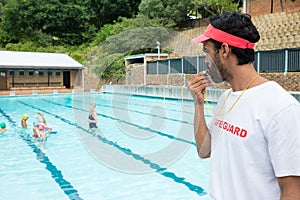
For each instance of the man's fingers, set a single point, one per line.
(198, 84)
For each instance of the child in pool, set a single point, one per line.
(92, 118)
(23, 121)
(2, 127)
(40, 128)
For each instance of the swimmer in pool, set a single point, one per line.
(23, 121)
(40, 128)
(93, 117)
(2, 127)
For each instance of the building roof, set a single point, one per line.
(34, 60)
(145, 55)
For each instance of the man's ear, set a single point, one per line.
(225, 50)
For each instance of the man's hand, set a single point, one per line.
(197, 86)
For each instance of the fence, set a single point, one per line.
(282, 60)
(174, 92)
(171, 92)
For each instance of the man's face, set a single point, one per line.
(216, 69)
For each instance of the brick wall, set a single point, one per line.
(290, 82)
(93, 82)
(76, 80)
(135, 74)
(278, 31)
(263, 7)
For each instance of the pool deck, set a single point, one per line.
(35, 91)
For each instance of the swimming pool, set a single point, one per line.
(144, 149)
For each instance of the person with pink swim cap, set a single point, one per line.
(40, 128)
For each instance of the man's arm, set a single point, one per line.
(289, 187)
(197, 87)
(202, 135)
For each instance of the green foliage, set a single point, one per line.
(170, 11)
(210, 7)
(110, 66)
(79, 54)
(178, 11)
(125, 37)
(125, 24)
(107, 11)
(140, 40)
(4, 38)
(31, 46)
(152, 8)
(68, 21)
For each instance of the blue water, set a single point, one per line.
(143, 148)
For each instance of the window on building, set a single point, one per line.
(30, 72)
(21, 73)
(57, 73)
(11, 72)
(49, 72)
(41, 73)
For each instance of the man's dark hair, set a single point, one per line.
(240, 25)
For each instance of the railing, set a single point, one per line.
(34, 84)
(173, 92)
(284, 60)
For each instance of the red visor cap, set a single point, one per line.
(221, 36)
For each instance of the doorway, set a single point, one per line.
(3, 80)
(66, 79)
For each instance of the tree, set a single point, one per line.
(152, 9)
(67, 21)
(108, 11)
(125, 37)
(110, 66)
(2, 4)
(210, 7)
(170, 11)
(139, 40)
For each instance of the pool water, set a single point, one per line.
(143, 148)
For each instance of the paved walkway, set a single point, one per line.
(28, 92)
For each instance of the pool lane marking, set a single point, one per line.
(162, 171)
(130, 123)
(145, 105)
(56, 174)
(139, 112)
